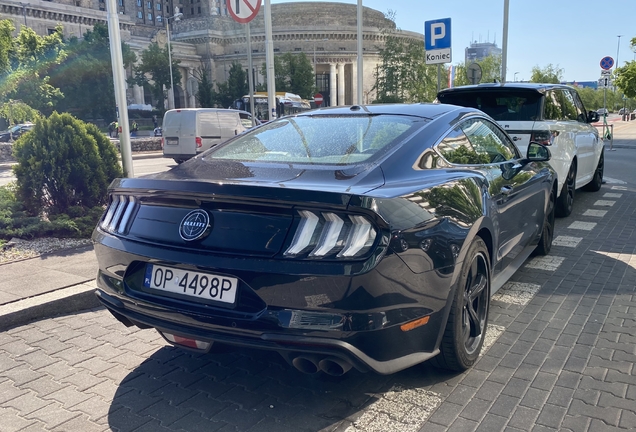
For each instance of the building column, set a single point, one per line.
(354, 84)
(192, 102)
(341, 84)
(138, 94)
(333, 97)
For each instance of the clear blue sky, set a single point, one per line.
(571, 34)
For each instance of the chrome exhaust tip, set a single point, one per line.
(306, 364)
(334, 366)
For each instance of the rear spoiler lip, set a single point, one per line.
(239, 192)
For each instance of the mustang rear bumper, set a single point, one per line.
(285, 344)
(355, 317)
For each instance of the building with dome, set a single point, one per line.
(207, 36)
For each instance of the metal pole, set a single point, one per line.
(439, 77)
(360, 57)
(618, 49)
(504, 42)
(269, 61)
(171, 98)
(250, 77)
(120, 86)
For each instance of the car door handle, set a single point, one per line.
(506, 190)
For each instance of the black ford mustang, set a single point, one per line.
(365, 236)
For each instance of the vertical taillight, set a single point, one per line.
(327, 234)
(198, 142)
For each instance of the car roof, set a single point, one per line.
(539, 87)
(426, 110)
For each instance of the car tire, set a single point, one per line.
(465, 329)
(565, 201)
(179, 161)
(547, 233)
(597, 180)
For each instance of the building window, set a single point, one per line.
(191, 11)
(158, 7)
(276, 49)
(50, 31)
(139, 3)
(121, 3)
(255, 50)
(159, 19)
(167, 9)
(140, 14)
(199, 10)
(149, 16)
(298, 49)
(320, 48)
(342, 49)
(149, 5)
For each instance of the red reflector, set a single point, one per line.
(198, 141)
(187, 342)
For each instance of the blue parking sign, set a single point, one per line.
(437, 34)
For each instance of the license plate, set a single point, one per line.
(194, 284)
(172, 141)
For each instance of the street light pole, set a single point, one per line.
(515, 77)
(175, 16)
(618, 49)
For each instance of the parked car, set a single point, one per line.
(550, 114)
(15, 132)
(602, 111)
(190, 131)
(366, 236)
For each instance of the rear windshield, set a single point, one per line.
(509, 105)
(339, 140)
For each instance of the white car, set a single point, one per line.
(550, 114)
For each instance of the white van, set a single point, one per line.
(190, 131)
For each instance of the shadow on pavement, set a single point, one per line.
(255, 389)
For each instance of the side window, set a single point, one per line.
(476, 142)
(457, 149)
(487, 139)
(569, 108)
(552, 109)
(246, 120)
(580, 109)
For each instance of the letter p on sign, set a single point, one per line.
(437, 34)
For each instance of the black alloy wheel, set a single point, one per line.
(597, 180)
(565, 202)
(468, 319)
(547, 234)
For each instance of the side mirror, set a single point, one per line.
(592, 117)
(537, 153)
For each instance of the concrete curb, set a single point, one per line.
(60, 302)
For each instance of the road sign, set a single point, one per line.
(605, 72)
(243, 11)
(437, 41)
(604, 82)
(318, 99)
(473, 73)
(607, 63)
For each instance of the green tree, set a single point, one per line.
(294, 73)
(234, 88)
(25, 63)
(549, 74)
(154, 70)
(490, 71)
(206, 96)
(402, 75)
(15, 112)
(86, 75)
(626, 78)
(64, 163)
